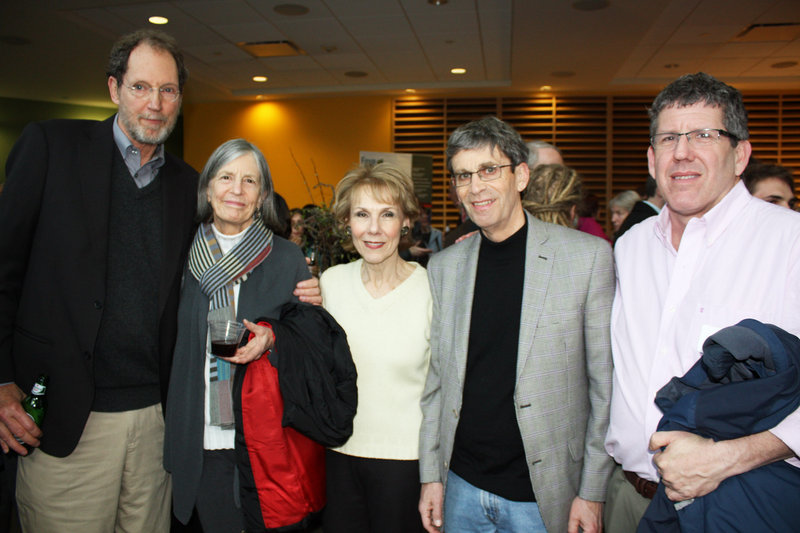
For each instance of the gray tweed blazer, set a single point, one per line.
(564, 364)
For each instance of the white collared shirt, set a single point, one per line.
(740, 260)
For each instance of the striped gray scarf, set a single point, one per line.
(217, 274)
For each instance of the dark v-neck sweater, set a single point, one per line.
(126, 353)
(488, 451)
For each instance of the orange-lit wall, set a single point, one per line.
(331, 131)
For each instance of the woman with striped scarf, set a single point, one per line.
(237, 270)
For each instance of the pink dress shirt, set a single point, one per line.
(740, 260)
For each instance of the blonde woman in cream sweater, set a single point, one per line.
(384, 305)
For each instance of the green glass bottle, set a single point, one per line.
(35, 404)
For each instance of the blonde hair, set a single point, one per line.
(552, 192)
(385, 182)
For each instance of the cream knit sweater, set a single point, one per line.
(388, 338)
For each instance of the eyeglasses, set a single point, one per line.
(703, 137)
(462, 179)
(143, 90)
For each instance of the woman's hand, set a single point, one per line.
(264, 340)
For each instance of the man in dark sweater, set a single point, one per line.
(515, 407)
(95, 222)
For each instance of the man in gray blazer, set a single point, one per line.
(516, 403)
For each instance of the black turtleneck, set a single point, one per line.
(488, 451)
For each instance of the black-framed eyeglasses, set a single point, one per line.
(490, 173)
(702, 137)
(143, 90)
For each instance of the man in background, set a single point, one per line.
(543, 153)
(771, 183)
(713, 256)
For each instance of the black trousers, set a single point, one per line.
(371, 495)
(215, 503)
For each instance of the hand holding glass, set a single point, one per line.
(225, 337)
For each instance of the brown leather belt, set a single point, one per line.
(643, 486)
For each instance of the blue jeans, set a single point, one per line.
(470, 509)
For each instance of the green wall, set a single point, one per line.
(16, 113)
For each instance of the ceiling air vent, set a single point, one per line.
(271, 48)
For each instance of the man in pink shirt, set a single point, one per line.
(713, 256)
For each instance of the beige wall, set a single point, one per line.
(331, 131)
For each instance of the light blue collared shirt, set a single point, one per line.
(654, 206)
(143, 175)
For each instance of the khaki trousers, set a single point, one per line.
(113, 481)
(624, 506)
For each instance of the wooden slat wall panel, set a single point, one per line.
(581, 135)
(763, 115)
(418, 129)
(789, 139)
(605, 138)
(629, 138)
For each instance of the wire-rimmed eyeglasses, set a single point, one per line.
(142, 90)
(490, 173)
(702, 137)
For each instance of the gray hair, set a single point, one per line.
(534, 147)
(224, 154)
(690, 89)
(624, 200)
(489, 131)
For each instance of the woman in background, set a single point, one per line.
(297, 223)
(620, 207)
(384, 305)
(587, 216)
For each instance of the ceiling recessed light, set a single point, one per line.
(458, 70)
(290, 10)
(545, 88)
(158, 20)
(784, 64)
(260, 79)
(411, 90)
(437, 2)
(355, 74)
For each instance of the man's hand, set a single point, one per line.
(308, 291)
(431, 502)
(14, 421)
(585, 514)
(691, 466)
(465, 236)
